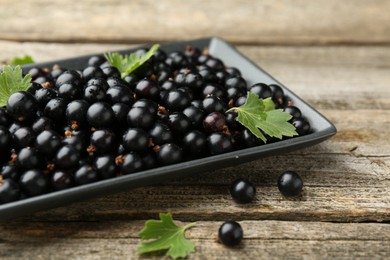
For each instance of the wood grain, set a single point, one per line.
(263, 240)
(344, 210)
(241, 21)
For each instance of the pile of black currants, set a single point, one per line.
(75, 127)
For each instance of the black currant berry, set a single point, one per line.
(85, 174)
(100, 114)
(242, 191)
(169, 153)
(230, 233)
(22, 106)
(48, 142)
(194, 143)
(105, 166)
(61, 180)
(34, 183)
(140, 117)
(29, 158)
(9, 190)
(176, 100)
(103, 141)
(302, 127)
(261, 90)
(119, 94)
(130, 162)
(290, 184)
(135, 139)
(214, 122)
(67, 157)
(160, 134)
(5, 140)
(219, 143)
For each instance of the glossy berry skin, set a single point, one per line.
(150, 105)
(10, 171)
(9, 191)
(194, 143)
(23, 137)
(213, 104)
(293, 111)
(105, 166)
(100, 114)
(290, 184)
(214, 122)
(230, 233)
(94, 93)
(302, 127)
(179, 123)
(69, 91)
(22, 106)
(135, 139)
(119, 94)
(169, 153)
(242, 191)
(147, 88)
(5, 140)
(44, 95)
(42, 123)
(160, 134)
(47, 142)
(261, 90)
(219, 143)
(103, 141)
(61, 180)
(132, 162)
(55, 110)
(176, 100)
(76, 113)
(67, 157)
(92, 72)
(85, 174)
(195, 114)
(69, 76)
(34, 183)
(120, 111)
(5, 119)
(140, 117)
(29, 158)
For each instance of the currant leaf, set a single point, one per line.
(26, 59)
(260, 114)
(11, 81)
(126, 64)
(167, 236)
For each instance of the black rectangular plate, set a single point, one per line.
(321, 130)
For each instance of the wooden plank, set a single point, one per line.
(326, 77)
(262, 240)
(248, 21)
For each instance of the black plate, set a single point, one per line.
(321, 130)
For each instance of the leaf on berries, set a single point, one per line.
(126, 64)
(26, 59)
(167, 236)
(260, 114)
(11, 81)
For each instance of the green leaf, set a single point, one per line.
(126, 64)
(26, 59)
(11, 81)
(260, 114)
(167, 236)
(277, 125)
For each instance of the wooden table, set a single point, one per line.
(334, 54)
